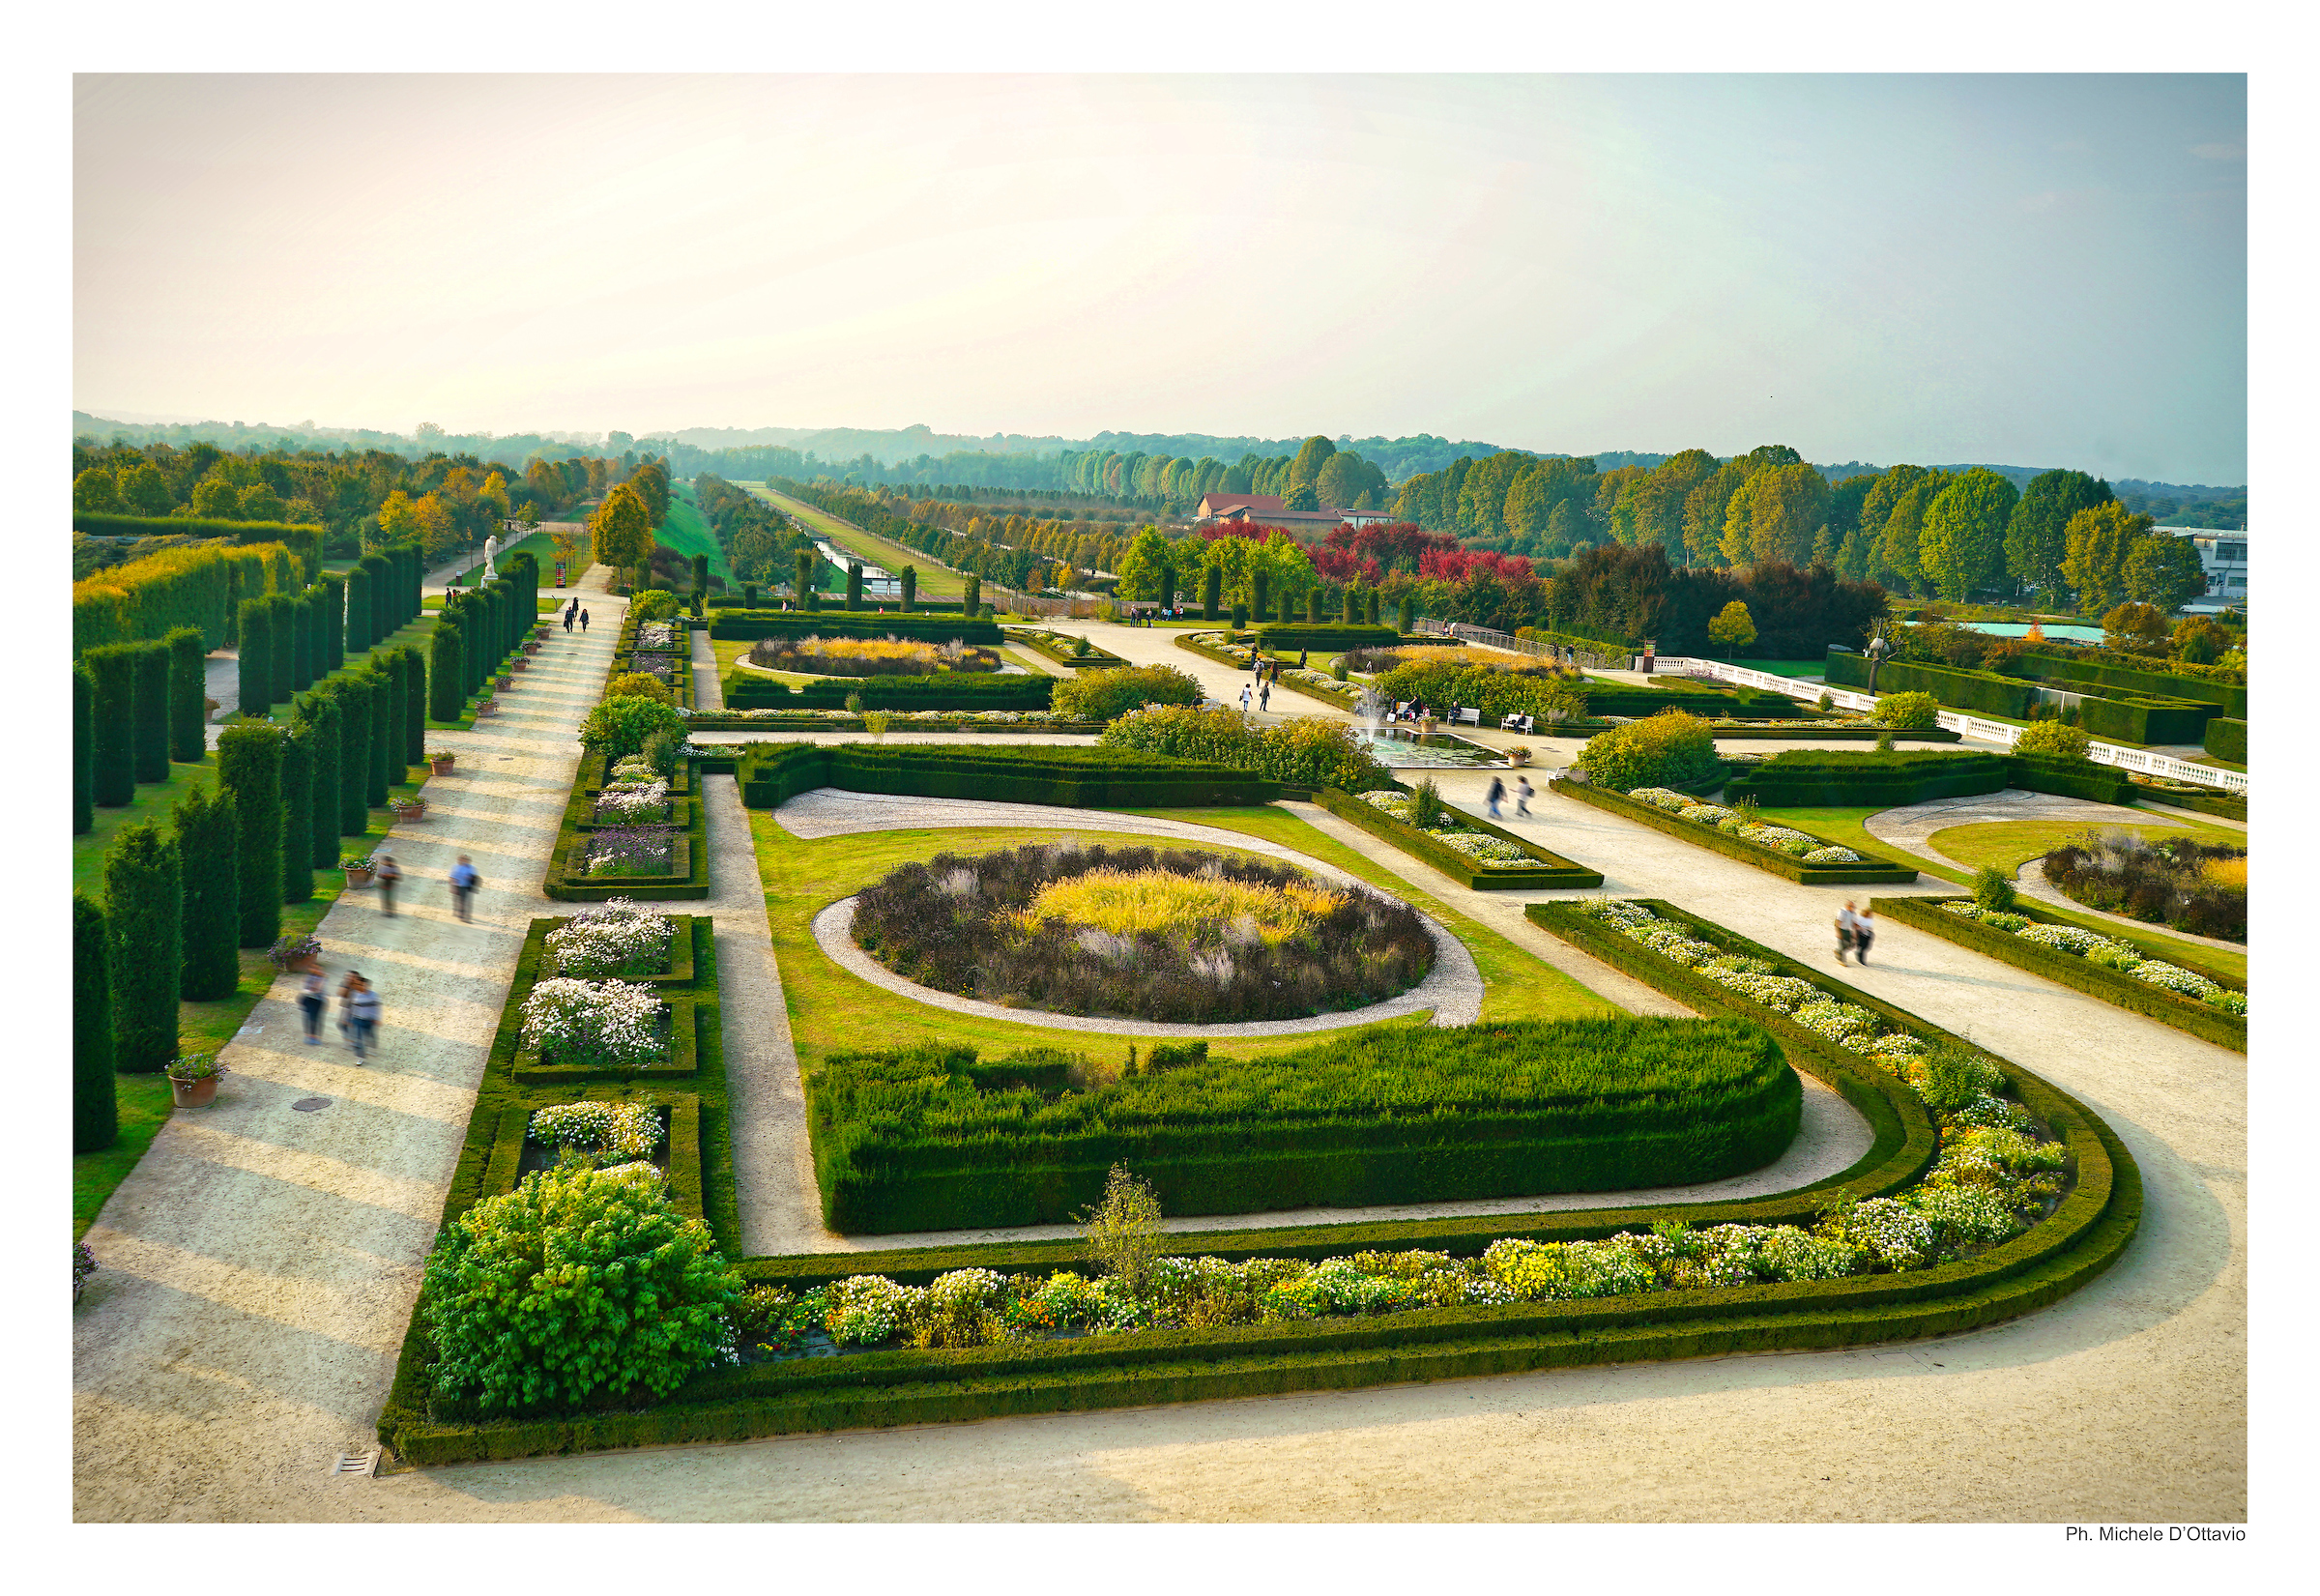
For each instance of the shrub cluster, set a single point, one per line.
(1107, 695)
(1307, 752)
(1172, 935)
(1668, 749)
(2195, 887)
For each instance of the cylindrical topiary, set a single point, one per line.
(909, 589)
(1352, 605)
(209, 849)
(414, 709)
(803, 582)
(254, 662)
(189, 700)
(382, 730)
(285, 646)
(1212, 591)
(249, 766)
(381, 593)
(318, 711)
(1408, 615)
(748, 595)
(84, 751)
(308, 632)
(297, 813)
(972, 603)
(112, 723)
(1372, 606)
(150, 744)
(353, 753)
(444, 670)
(700, 573)
(96, 1105)
(1259, 582)
(358, 612)
(331, 651)
(145, 932)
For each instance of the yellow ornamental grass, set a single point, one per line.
(1128, 903)
(2226, 875)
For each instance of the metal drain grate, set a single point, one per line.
(355, 1462)
(310, 1105)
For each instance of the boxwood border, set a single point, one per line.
(1101, 659)
(1871, 870)
(579, 822)
(684, 1146)
(2209, 1024)
(1556, 873)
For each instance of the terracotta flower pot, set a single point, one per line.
(486, 706)
(521, 662)
(533, 647)
(194, 1094)
(411, 811)
(359, 879)
(441, 767)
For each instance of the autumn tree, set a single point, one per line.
(622, 528)
(1733, 627)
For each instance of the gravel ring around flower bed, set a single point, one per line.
(1452, 988)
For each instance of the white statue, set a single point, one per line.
(492, 555)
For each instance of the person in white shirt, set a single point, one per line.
(1847, 923)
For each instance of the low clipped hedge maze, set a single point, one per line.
(950, 690)
(2112, 986)
(771, 773)
(747, 625)
(2229, 698)
(1709, 702)
(2084, 1234)
(1815, 778)
(1871, 870)
(2110, 712)
(568, 880)
(1552, 871)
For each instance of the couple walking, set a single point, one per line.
(1522, 795)
(1855, 931)
(358, 1010)
(1264, 697)
(389, 875)
(572, 612)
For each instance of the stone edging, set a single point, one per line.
(1452, 988)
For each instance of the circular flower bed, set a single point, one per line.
(1173, 934)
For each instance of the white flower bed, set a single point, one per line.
(615, 1133)
(595, 1024)
(656, 635)
(2107, 954)
(620, 938)
(628, 805)
(1780, 839)
(1492, 853)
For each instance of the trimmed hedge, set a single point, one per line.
(751, 624)
(96, 1094)
(303, 539)
(1338, 638)
(149, 743)
(1811, 778)
(298, 812)
(2210, 1025)
(188, 715)
(254, 659)
(1095, 659)
(112, 723)
(770, 774)
(1554, 871)
(2108, 712)
(2229, 698)
(2205, 800)
(947, 691)
(209, 846)
(892, 1153)
(196, 586)
(249, 766)
(84, 751)
(1708, 703)
(1870, 869)
(2227, 738)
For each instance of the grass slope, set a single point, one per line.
(685, 532)
(934, 580)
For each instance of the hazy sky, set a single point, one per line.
(2036, 271)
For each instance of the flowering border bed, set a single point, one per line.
(1871, 870)
(1553, 870)
(1037, 640)
(683, 1161)
(2207, 1022)
(566, 879)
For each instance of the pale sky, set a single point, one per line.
(2024, 270)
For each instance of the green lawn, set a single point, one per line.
(832, 1010)
(2010, 844)
(934, 580)
(685, 532)
(1843, 825)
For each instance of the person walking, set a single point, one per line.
(570, 612)
(1244, 698)
(1497, 793)
(1264, 696)
(1522, 790)
(388, 874)
(464, 881)
(313, 997)
(1864, 932)
(583, 621)
(1846, 921)
(362, 1017)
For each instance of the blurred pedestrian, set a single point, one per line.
(1497, 796)
(1264, 696)
(464, 879)
(1522, 790)
(313, 997)
(362, 1016)
(1846, 925)
(1864, 932)
(389, 873)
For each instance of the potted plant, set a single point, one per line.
(502, 682)
(440, 759)
(193, 1080)
(295, 953)
(1519, 755)
(357, 870)
(485, 706)
(410, 808)
(521, 662)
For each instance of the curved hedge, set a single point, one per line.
(2227, 740)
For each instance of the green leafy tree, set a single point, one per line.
(1898, 557)
(144, 922)
(1961, 545)
(1302, 496)
(1149, 558)
(1733, 627)
(209, 848)
(146, 491)
(1776, 515)
(2035, 541)
(2164, 571)
(97, 491)
(622, 528)
(2136, 625)
(2096, 543)
(1306, 469)
(1123, 1231)
(1107, 695)
(250, 768)
(1908, 712)
(577, 1286)
(95, 1099)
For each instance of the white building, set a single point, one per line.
(2223, 556)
